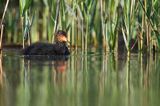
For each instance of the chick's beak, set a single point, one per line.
(64, 39)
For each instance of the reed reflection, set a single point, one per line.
(5, 99)
(92, 80)
(2, 99)
(1, 71)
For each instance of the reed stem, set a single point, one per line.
(57, 18)
(1, 37)
(1, 24)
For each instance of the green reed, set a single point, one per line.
(1, 23)
(111, 23)
(91, 23)
(129, 18)
(151, 15)
(25, 20)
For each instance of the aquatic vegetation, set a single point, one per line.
(97, 23)
(24, 6)
(1, 23)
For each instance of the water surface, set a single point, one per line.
(93, 79)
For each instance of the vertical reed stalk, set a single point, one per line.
(24, 6)
(82, 30)
(4, 12)
(145, 24)
(25, 29)
(1, 36)
(129, 24)
(102, 22)
(1, 24)
(45, 19)
(86, 35)
(56, 18)
(82, 36)
(22, 22)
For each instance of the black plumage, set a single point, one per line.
(57, 48)
(40, 48)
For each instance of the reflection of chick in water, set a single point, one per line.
(60, 66)
(59, 74)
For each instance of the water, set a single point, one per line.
(95, 79)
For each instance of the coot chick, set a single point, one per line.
(59, 47)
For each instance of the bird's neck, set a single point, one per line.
(60, 43)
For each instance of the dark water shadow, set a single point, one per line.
(43, 58)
